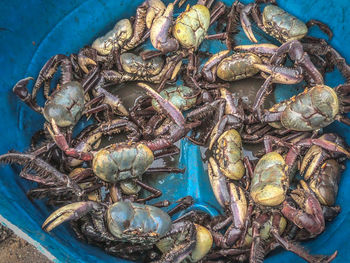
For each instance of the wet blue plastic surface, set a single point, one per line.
(32, 31)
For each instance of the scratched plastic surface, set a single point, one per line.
(32, 31)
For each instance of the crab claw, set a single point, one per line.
(84, 61)
(296, 52)
(246, 24)
(281, 75)
(69, 212)
(312, 159)
(20, 89)
(167, 107)
(209, 68)
(311, 216)
(218, 183)
(156, 9)
(159, 32)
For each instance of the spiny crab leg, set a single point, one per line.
(218, 10)
(328, 145)
(262, 49)
(322, 26)
(168, 108)
(300, 251)
(42, 168)
(68, 212)
(282, 75)
(47, 72)
(245, 22)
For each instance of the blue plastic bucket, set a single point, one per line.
(32, 31)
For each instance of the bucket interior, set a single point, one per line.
(32, 31)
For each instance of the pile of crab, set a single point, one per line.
(283, 196)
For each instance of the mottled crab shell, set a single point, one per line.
(119, 162)
(137, 223)
(180, 96)
(116, 37)
(238, 66)
(129, 187)
(313, 109)
(134, 64)
(269, 182)
(227, 152)
(191, 26)
(282, 25)
(66, 105)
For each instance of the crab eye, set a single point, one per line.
(269, 23)
(284, 33)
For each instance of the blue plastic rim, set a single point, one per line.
(32, 31)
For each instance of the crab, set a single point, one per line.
(270, 206)
(66, 105)
(123, 37)
(188, 31)
(315, 108)
(127, 161)
(154, 70)
(183, 97)
(140, 225)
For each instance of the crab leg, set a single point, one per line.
(299, 250)
(330, 146)
(257, 252)
(42, 168)
(262, 93)
(218, 10)
(182, 204)
(245, 22)
(47, 72)
(263, 49)
(282, 75)
(139, 26)
(322, 26)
